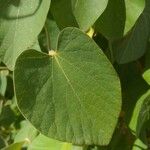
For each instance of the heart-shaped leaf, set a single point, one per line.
(73, 94)
(20, 23)
(86, 13)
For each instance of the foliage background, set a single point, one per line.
(121, 28)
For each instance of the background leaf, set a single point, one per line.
(112, 27)
(62, 13)
(42, 142)
(20, 23)
(139, 145)
(26, 133)
(86, 13)
(15, 146)
(133, 45)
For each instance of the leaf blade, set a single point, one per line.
(69, 108)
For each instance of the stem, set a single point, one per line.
(111, 51)
(47, 37)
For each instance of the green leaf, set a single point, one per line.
(134, 8)
(68, 95)
(26, 133)
(86, 13)
(62, 13)
(139, 145)
(53, 31)
(141, 116)
(42, 142)
(15, 146)
(36, 46)
(112, 22)
(146, 76)
(20, 23)
(133, 45)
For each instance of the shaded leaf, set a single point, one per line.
(53, 31)
(133, 86)
(112, 22)
(133, 45)
(7, 116)
(62, 13)
(86, 13)
(68, 95)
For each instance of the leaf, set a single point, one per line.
(139, 145)
(68, 95)
(133, 86)
(20, 23)
(112, 27)
(42, 142)
(16, 146)
(62, 13)
(146, 76)
(36, 46)
(133, 45)
(7, 116)
(86, 13)
(53, 31)
(141, 116)
(134, 8)
(26, 133)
